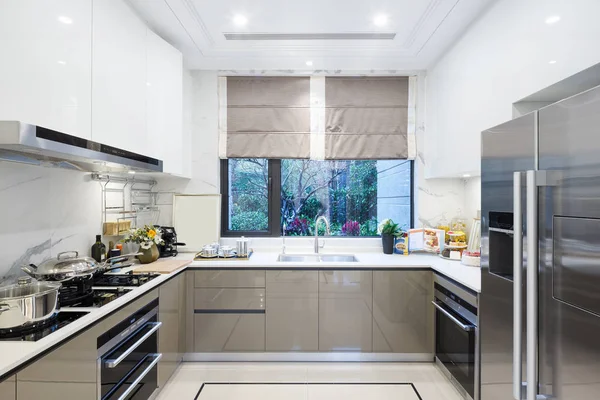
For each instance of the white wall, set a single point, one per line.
(45, 211)
(503, 57)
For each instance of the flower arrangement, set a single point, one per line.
(145, 237)
(389, 227)
(351, 228)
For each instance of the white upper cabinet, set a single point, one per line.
(164, 110)
(119, 77)
(45, 64)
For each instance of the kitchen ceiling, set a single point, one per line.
(398, 35)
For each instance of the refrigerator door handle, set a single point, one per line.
(532, 285)
(517, 286)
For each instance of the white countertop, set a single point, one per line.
(14, 354)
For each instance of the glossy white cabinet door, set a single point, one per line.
(119, 77)
(45, 67)
(164, 105)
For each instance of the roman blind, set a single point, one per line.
(367, 118)
(266, 117)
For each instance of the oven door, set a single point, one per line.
(130, 370)
(455, 345)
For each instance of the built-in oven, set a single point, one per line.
(456, 335)
(128, 357)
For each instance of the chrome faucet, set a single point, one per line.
(328, 232)
(283, 238)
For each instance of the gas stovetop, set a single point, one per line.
(109, 287)
(123, 280)
(33, 333)
(105, 288)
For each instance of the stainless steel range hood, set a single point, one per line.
(30, 144)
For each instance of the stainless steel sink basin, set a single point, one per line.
(315, 258)
(338, 258)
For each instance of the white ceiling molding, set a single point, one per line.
(336, 34)
(310, 36)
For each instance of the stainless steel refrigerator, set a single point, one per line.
(540, 293)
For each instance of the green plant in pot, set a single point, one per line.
(148, 237)
(388, 230)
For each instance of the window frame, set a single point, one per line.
(274, 199)
(274, 215)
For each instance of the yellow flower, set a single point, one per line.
(151, 233)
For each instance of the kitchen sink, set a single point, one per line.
(314, 258)
(337, 258)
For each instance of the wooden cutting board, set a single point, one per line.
(162, 266)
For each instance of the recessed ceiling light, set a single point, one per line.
(380, 20)
(552, 62)
(552, 20)
(309, 63)
(65, 20)
(148, 84)
(61, 62)
(131, 172)
(466, 175)
(240, 20)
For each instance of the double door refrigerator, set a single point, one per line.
(540, 295)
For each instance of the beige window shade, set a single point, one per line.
(268, 117)
(366, 118)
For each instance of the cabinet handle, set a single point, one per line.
(134, 384)
(517, 286)
(532, 285)
(464, 327)
(114, 362)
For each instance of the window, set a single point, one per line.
(261, 197)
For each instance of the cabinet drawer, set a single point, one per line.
(228, 278)
(286, 283)
(8, 388)
(229, 332)
(229, 299)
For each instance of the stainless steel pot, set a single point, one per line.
(27, 302)
(68, 265)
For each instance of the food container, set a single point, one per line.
(445, 226)
(458, 224)
(457, 239)
(242, 247)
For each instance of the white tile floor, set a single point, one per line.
(426, 378)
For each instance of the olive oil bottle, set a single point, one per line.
(99, 250)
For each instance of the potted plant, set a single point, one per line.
(148, 238)
(388, 230)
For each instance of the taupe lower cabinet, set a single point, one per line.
(367, 311)
(71, 370)
(292, 311)
(229, 311)
(8, 388)
(403, 315)
(171, 335)
(346, 311)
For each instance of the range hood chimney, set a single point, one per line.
(30, 144)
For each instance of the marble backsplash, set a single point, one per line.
(45, 211)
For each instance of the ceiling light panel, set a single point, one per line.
(240, 20)
(380, 20)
